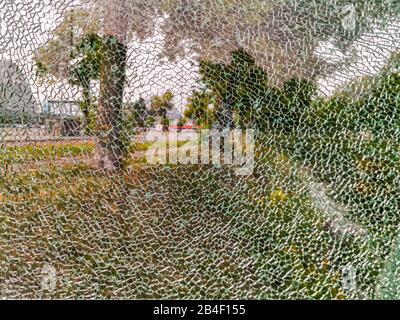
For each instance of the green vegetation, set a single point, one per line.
(121, 230)
(19, 154)
(161, 105)
(324, 194)
(84, 60)
(8, 117)
(240, 94)
(159, 223)
(200, 108)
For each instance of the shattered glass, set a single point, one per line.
(104, 106)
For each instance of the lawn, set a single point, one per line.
(182, 231)
(19, 154)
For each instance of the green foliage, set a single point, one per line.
(41, 69)
(138, 113)
(242, 88)
(231, 85)
(55, 57)
(351, 142)
(149, 122)
(201, 108)
(279, 242)
(87, 57)
(181, 122)
(283, 109)
(165, 122)
(368, 105)
(289, 54)
(88, 106)
(128, 130)
(161, 105)
(87, 67)
(135, 116)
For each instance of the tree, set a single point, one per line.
(110, 147)
(149, 122)
(56, 57)
(242, 91)
(250, 85)
(161, 105)
(139, 112)
(116, 21)
(218, 78)
(283, 33)
(86, 69)
(73, 54)
(181, 122)
(134, 117)
(236, 87)
(200, 108)
(370, 103)
(294, 100)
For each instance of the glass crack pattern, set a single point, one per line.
(199, 149)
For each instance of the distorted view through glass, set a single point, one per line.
(200, 149)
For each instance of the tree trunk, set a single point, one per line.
(85, 105)
(224, 114)
(164, 120)
(112, 81)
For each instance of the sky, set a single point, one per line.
(371, 52)
(27, 28)
(25, 25)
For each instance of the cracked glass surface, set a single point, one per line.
(87, 86)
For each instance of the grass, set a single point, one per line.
(19, 154)
(170, 232)
(139, 146)
(182, 231)
(29, 153)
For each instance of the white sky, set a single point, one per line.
(27, 28)
(371, 53)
